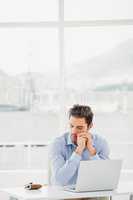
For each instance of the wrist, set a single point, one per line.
(79, 150)
(92, 151)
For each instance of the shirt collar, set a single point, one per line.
(69, 141)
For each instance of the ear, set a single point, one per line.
(91, 125)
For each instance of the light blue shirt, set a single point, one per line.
(65, 162)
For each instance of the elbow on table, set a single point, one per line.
(61, 179)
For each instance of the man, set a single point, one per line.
(79, 144)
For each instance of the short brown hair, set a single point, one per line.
(82, 111)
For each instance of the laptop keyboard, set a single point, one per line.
(72, 187)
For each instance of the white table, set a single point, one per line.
(54, 192)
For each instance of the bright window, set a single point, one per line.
(98, 10)
(28, 10)
(52, 57)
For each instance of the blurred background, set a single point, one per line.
(53, 54)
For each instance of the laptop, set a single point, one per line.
(97, 175)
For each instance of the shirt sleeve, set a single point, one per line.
(62, 170)
(102, 150)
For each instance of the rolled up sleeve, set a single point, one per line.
(62, 171)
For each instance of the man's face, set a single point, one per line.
(77, 125)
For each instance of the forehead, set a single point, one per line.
(77, 121)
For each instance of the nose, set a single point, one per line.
(74, 130)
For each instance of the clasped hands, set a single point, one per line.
(84, 140)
